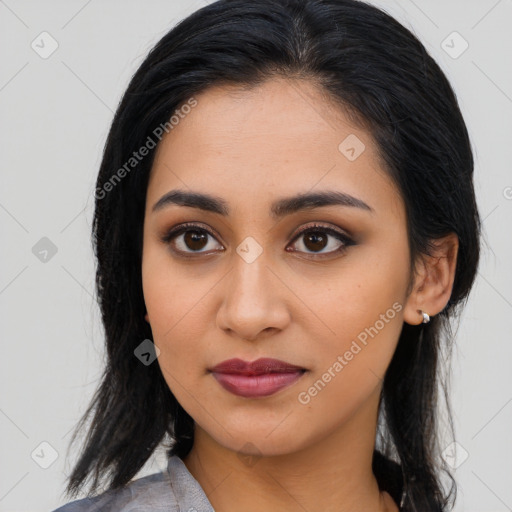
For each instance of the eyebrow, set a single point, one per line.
(278, 209)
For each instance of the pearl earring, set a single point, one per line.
(426, 317)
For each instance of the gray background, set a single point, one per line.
(55, 113)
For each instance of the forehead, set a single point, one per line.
(283, 135)
(236, 118)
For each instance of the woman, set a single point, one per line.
(285, 224)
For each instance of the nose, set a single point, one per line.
(255, 300)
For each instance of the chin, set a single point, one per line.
(259, 442)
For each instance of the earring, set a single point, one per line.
(426, 317)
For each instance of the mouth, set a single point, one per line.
(259, 378)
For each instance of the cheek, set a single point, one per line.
(168, 294)
(367, 319)
(355, 296)
(361, 308)
(176, 304)
(174, 329)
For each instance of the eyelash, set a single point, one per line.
(183, 228)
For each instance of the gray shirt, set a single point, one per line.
(172, 490)
(176, 490)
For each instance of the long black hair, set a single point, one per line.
(378, 72)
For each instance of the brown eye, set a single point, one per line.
(314, 239)
(195, 240)
(191, 240)
(188, 239)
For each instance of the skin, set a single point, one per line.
(251, 148)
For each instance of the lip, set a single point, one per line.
(259, 378)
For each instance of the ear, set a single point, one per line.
(433, 280)
(147, 318)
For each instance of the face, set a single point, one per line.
(318, 284)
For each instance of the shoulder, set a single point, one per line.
(172, 490)
(152, 493)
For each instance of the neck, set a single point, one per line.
(332, 474)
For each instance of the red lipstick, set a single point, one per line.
(259, 378)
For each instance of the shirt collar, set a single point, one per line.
(189, 493)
